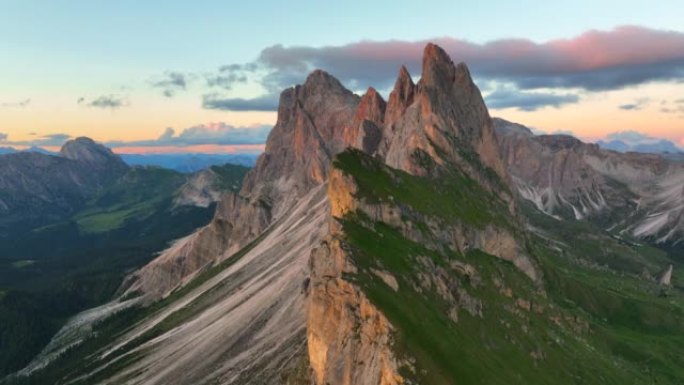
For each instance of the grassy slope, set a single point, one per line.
(597, 326)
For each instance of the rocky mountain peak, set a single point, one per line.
(438, 69)
(87, 151)
(401, 96)
(319, 82)
(503, 127)
(371, 107)
(367, 128)
(443, 116)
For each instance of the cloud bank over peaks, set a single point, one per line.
(593, 61)
(216, 134)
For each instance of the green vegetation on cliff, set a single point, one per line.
(474, 318)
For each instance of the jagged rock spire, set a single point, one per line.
(401, 96)
(366, 130)
(444, 115)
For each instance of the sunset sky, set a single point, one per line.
(160, 76)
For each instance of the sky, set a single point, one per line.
(160, 76)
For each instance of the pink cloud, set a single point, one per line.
(593, 60)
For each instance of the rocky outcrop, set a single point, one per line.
(666, 278)
(207, 186)
(349, 340)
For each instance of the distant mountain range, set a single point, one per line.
(188, 163)
(656, 147)
(182, 162)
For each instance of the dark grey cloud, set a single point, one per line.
(673, 107)
(213, 133)
(3, 136)
(267, 102)
(171, 83)
(105, 102)
(527, 101)
(19, 104)
(636, 105)
(225, 81)
(231, 74)
(594, 61)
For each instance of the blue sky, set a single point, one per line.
(64, 55)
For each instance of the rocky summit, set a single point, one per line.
(408, 241)
(37, 187)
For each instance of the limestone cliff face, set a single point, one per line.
(349, 340)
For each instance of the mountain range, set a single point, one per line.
(409, 241)
(73, 225)
(656, 147)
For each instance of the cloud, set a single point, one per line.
(563, 132)
(594, 60)
(19, 104)
(49, 140)
(106, 101)
(632, 137)
(636, 105)
(172, 83)
(538, 131)
(675, 107)
(507, 97)
(168, 134)
(227, 77)
(204, 134)
(267, 102)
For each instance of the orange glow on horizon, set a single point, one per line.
(203, 148)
